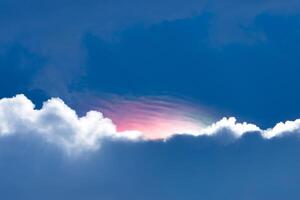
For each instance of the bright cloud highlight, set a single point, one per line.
(59, 124)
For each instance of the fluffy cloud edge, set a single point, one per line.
(58, 124)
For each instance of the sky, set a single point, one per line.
(182, 99)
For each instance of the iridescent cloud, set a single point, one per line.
(156, 117)
(141, 119)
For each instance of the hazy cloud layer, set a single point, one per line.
(185, 166)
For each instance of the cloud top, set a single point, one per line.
(58, 124)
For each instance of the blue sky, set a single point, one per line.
(159, 81)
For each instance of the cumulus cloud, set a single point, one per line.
(282, 128)
(230, 124)
(239, 129)
(59, 124)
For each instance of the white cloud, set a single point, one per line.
(59, 124)
(239, 129)
(230, 124)
(282, 128)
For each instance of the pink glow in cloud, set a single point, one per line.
(155, 117)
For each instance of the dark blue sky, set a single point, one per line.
(240, 60)
(235, 58)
